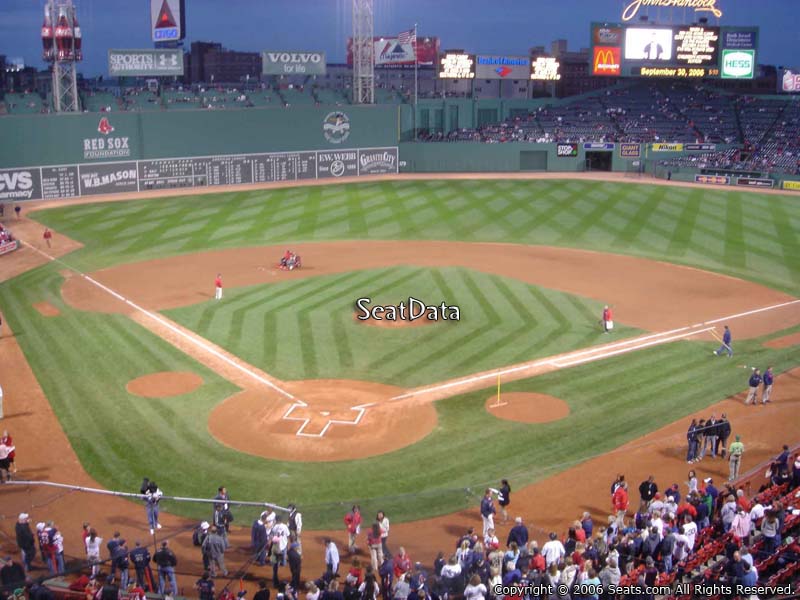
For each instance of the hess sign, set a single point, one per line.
(457, 66)
(545, 68)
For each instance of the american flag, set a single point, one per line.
(407, 37)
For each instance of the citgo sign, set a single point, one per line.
(738, 64)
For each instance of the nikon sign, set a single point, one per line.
(293, 63)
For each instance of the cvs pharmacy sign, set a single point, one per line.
(18, 185)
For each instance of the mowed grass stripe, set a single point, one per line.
(688, 226)
(693, 232)
(318, 336)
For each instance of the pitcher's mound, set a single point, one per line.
(165, 384)
(527, 407)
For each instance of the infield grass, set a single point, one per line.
(84, 360)
(306, 329)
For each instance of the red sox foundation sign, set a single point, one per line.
(108, 146)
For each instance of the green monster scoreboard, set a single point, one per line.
(673, 51)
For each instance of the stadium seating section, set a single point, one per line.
(767, 129)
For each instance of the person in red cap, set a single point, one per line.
(608, 319)
(47, 235)
(218, 287)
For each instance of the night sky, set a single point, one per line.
(480, 26)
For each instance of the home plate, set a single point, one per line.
(324, 413)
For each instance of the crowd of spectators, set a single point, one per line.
(5, 235)
(690, 533)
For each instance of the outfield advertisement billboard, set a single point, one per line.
(502, 67)
(789, 80)
(69, 181)
(390, 52)
(713, 179)
(673, 51)
(292, 63)
(164, 62)
(454, 65)
(567, 150)
(168, 20)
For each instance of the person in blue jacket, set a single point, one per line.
(767, 390)
(726, 344)
(755, 381)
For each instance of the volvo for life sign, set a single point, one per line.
(165, 62)
(293, 63)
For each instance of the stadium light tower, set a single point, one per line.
(363, 53)
(62, 46)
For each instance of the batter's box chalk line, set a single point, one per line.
(360, 411)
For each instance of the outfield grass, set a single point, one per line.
(305, 329)
(753, 236)
(121, 438)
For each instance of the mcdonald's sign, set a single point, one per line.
(606, 60)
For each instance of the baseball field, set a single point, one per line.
(280, 393)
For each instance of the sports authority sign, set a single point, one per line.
(167, 20)
(106, 145)
(166, 62)
(502, 67)
(293, 63)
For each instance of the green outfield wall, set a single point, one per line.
(36, 140)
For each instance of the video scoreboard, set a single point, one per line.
(673, 51)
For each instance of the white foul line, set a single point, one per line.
(753, 312)
(597, 353)
(571, 363)
(174, 329)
